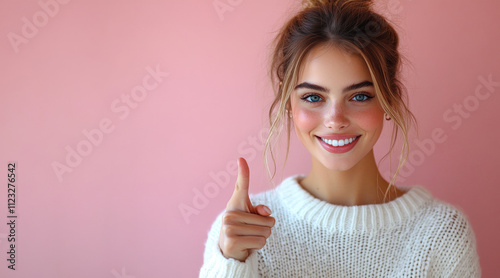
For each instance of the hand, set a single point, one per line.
(244, 227)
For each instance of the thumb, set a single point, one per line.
(240, 200)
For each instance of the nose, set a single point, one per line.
(336, 117)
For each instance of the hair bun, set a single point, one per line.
(318, 3)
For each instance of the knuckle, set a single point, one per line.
(229, 230)
(224, 229)
(228, 217)
(230, 243)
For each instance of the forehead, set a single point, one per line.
(332, 67)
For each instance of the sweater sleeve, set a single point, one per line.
(457, 256)
(216, 265)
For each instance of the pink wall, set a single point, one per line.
(172, 93)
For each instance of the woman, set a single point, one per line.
(336, 66)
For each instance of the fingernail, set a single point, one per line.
(267, 209)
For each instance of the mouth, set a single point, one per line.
(341, 142)
(338, 146)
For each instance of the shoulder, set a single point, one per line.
(433, 210)
(451, 237)
(442, 224)
(447, 226)
(455, 225)
(445, 215)
(441, 215)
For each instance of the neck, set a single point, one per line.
(360, 185)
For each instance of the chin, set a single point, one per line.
(338, 165)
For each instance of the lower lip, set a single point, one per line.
(338, 149)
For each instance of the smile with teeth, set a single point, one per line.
(339, 143)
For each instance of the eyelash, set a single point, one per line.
(304, 98)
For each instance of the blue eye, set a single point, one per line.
(311, 98)
(361, 97)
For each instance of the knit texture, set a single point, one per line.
(414, 235)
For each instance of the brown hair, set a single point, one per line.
(354, 27)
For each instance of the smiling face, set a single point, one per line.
(335, 100)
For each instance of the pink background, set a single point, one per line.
(117, 213)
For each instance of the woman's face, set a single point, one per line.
(335, 101)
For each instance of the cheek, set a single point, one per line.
(372, 119)
(305, 119)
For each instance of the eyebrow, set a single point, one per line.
(307, 85)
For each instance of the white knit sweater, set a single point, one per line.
(414, 235)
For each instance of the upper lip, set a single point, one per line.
(337, 136)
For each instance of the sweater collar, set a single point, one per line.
(350, 218)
